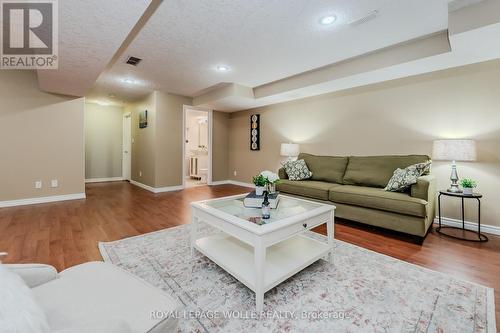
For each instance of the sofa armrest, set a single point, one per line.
(425, 188)
(282, 174)
(33, 274)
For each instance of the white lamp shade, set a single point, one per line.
(454, 150)
(289, 149)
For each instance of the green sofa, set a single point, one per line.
(355, 185)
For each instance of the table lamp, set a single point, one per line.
(290, 150)
(454, 150)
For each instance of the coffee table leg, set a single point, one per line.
(194, 232)
(260, 262)
(330, 234)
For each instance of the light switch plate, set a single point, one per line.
(54, 183)
(38, 184)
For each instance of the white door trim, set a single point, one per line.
(185, 109)
(129, 161)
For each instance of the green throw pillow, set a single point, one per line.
(297, 170)
(402, 179)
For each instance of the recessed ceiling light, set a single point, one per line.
(222, 68)
(129, 81)
(327, 20)
(103, 103)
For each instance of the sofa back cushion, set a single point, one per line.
(326, 168)
(376, 171)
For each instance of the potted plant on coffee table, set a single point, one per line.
(468, 185)
(260, 182)
(271, 180)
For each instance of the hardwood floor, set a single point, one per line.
(65, 234)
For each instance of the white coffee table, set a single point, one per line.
(261, 256)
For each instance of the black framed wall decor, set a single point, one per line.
(143, 119)
(255, 132)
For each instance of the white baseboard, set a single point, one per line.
(157, 189)
(35, 201)
(489, 229)
(168, 189)
(102, 180)
(232, 182)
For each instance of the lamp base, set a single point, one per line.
(454, 189)
(454, 179)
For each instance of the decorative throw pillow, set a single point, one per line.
(19, 311)
(424, 168)
(402, 179)
(297, 170)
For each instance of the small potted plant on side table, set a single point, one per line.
(468, 185)
(260, 183)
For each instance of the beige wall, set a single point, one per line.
(398, 117)
(157, 149)
(143, 141)
(103, 141)
(169, 139)
(41, 138)
(220, 146)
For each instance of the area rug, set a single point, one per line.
(361, 291)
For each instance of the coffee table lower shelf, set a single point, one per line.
(283, 259)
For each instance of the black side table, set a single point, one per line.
(480, 237)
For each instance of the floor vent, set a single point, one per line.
(133, 61)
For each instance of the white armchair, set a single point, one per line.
(97, 297)
(34, 274)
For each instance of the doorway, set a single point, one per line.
(197, 147)
(127, 147)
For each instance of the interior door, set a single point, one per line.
(127, 147)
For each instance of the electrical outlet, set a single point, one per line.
(54, 183)
(38, 184)
(140, 173)
(235, 173)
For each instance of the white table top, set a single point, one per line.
(289, 210)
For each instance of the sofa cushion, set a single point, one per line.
(377, 198)
(19, 311)
(97, 291)
(306, 188)
(326, 168)
(376, 171)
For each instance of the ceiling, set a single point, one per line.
(267, 45)
(90, 32)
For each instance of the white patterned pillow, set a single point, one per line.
(402, 179)
(297, 170)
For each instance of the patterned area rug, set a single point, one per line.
(362, 291)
